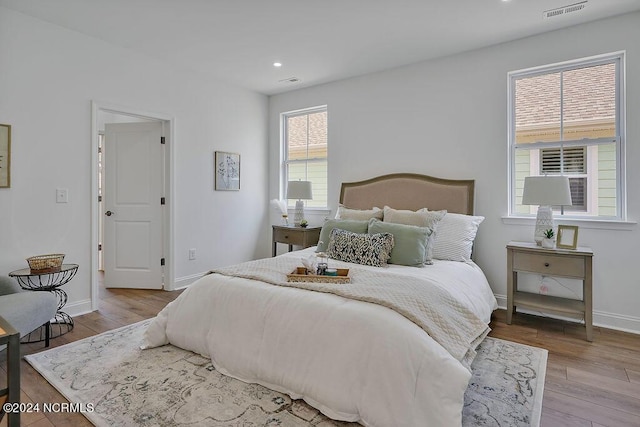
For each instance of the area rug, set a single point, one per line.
(113, 382)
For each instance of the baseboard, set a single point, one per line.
(78, 308)
(184, 282)
(619, 322)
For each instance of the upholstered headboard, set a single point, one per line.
(410, 191)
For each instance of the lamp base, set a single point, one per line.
(298, 215)
(544, 221)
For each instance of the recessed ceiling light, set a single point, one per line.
(277, 64)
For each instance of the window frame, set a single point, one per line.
(284, 152)
(620, 139)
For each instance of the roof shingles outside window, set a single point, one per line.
(588, 97)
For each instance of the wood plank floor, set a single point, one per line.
(587, 384)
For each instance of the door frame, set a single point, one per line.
(169, 185)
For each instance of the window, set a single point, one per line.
(305, 151)
(566, 119)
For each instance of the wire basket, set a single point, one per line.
(45, 263)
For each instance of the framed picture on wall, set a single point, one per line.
(227, 171)
(5, 156)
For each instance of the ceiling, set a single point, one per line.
(319, 41)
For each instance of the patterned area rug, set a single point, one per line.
(168, 386)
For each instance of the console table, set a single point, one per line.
(49, 282)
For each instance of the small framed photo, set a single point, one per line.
(5, 156)
(227, 171)
(567, 237)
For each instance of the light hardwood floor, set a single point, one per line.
(587, 384)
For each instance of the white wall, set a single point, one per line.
(448, 118)
(48, 78)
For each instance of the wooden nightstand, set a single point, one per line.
(298, 236)
(575, 264)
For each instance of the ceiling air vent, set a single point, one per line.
(290, 80)
(564, 10)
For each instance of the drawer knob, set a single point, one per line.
(546, 264)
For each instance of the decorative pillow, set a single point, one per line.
(420, 218)
(359, 248)
(456, 233)
(410, 242)
(357, 214)
(346, 224)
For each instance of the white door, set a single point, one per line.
(133, 241)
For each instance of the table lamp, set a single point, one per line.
(545, 191)
(300, 190)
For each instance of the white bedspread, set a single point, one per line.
(353, 360)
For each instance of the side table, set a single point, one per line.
(48, 282)
(11, 337)
(577, 263)
(300, 236)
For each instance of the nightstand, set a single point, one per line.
(526, 257)
(298, 236)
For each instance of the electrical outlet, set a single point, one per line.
(62, 195)
(192, 254)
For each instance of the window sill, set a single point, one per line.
(602, 224)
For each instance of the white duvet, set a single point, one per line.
(352, 360)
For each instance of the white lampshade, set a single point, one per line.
(545, 191)
(300, 190)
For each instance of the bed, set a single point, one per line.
(353, 358)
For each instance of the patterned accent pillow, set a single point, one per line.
(343, 224)
(358, 248)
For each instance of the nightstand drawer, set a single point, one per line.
(291, 236)
(567, 266)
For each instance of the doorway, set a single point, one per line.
(130, 266)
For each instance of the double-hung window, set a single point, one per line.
(305, 151)
(567, 119)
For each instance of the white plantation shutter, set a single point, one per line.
(570, 161)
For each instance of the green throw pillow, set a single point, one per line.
(410, 242)
(354, 226)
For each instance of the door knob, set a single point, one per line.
(109, 213)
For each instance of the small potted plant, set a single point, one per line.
(304, 223)
(547, 241)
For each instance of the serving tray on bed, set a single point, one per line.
(300, 275)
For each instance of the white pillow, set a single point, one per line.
(455, 236)
(359, 215)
